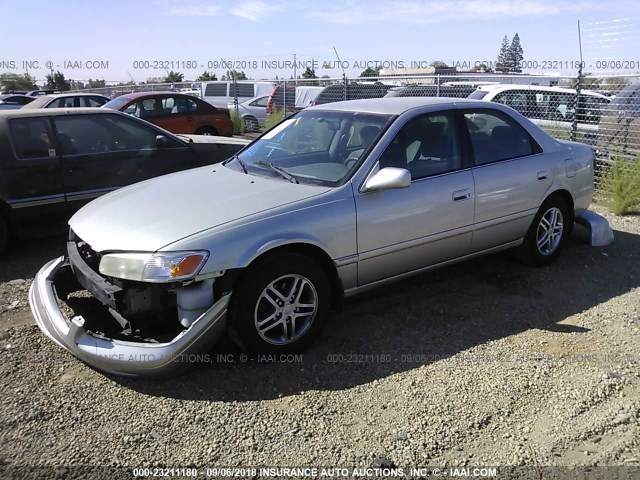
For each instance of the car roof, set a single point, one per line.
(538, 88)
(45, 112)
(393, 106)
(135, 95)
(73, 94)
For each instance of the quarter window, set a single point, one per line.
(31, 138)
(427, 145)
(495, 136)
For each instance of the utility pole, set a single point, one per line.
(295, 76)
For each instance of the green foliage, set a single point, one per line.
(207, 76)
(510, 56)
(309, 73)
(275, 117)
(174, 77)
(621, 185)
(56, 80)
(13, 81)
(438, 64)
(234, 74)
(238, 123)
(96, 83)
(369, 72)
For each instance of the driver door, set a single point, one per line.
(431, 221)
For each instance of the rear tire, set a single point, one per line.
(250, 124)
(280, 305)
(206, 131)
(548, 232)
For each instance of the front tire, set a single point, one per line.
(280, 305)
(206, 131)
(250, 124)
(548, 232)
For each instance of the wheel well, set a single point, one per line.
(568, 200)
(207, 128)
(319, 256)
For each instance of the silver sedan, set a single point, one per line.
(333, 201)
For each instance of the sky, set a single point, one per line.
(120, 40)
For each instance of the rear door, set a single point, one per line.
(511, 174)
(176, 114)
(31, 172)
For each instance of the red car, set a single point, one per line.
(176, 112)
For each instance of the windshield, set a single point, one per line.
(313, 146)
(116, 103)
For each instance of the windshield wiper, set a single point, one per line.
(236, 158)
(279, 170)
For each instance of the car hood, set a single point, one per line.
(149, 215)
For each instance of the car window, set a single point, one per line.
(30, 138)
(142, 108)
(93, 134)
(427, 145)
(94, 101)
(261, 102)
(177, 105)
(64, 102)
(242, 89)
(216, 90)
(591, 108)
(516, 99)
(312, 146)
(495, 136)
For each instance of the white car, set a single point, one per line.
(552, 108)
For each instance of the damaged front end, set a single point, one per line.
(130, 313)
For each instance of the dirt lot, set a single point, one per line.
(486, 363)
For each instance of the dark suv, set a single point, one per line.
(53, 161)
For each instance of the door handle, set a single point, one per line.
(543, 175)
(461, 195)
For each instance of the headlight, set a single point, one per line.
(150, 267)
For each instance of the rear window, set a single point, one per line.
(30, 138)
(478, 95)
(243, 89)
(216, 90)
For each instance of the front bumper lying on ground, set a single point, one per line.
(116, 356)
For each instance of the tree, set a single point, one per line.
(13, 81)
(515, 55)
(482, 68)
(438, 64)
(174, 77)
(234, 74)
(309, 73)
(503, 56)
(206, 76)
(370, 72)
(96, 83)
(57, 81)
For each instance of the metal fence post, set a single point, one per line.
(574, 124)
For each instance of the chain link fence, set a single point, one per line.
(600, 111)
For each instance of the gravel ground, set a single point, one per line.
(485, 363)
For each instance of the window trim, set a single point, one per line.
(536, 149)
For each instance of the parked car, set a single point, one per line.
(53, 161)
(176, 112)
(14, 101)
(68, 100)
(456, 91)
(353, 91)
(333, 201)
(619, 127)
(552, 108)
(222, 92)
(43, 91)
(292, 98)
(253, 112)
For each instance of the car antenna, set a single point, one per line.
(344, 75)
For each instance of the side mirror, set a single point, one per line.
(161, 141)
(387, 178)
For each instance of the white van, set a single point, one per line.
(552, 108)
(221, 93)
